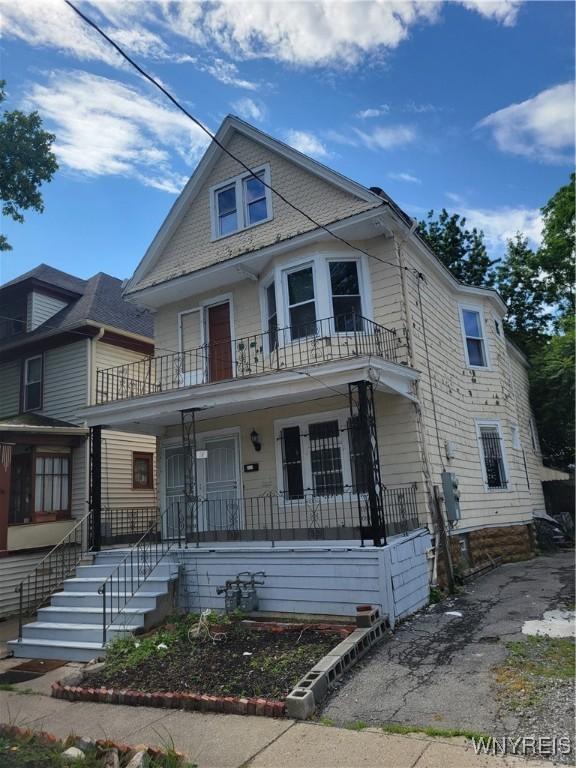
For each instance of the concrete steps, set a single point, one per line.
(70, 628)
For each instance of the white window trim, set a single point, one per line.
(202, 309)
(480, 310)
(492, 423)
(304, 422)
(320, 261)
(241, 206)
(534, 436)
(27, 360)
(264, 285)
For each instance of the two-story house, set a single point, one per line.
(317, 371)
(56, 330)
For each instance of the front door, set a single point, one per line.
(221, 510)
(219, 342)
(218, 487)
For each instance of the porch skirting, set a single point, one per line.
(329, 578)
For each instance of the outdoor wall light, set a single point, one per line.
(256, 442)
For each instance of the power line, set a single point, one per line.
(218, 143)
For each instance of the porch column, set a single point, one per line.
(5, 478)
(189, 445)
(96, 486)
(362, 411)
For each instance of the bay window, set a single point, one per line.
(301, 302)
(345, 295)
(271, 316)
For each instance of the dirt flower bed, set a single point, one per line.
(242, 662)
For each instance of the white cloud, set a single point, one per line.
(402, 176)
(104, 127)
(503, 11)
(227, 73)
(501, 224)
(386, 137)
(541, 128)
(373, 112)
(306, 142)
(249, 109)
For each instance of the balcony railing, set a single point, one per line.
(320, 341)
(275, 517)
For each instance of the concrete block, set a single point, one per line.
(317, 682)
(367, 618)
(332, 667)
(300, 704)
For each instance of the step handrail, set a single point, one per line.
(52, 570)
(122, 584)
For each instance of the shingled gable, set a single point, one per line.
(184, 242)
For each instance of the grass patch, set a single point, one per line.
(430, 730)
(531, 663)
(357, 725)
(327, 721)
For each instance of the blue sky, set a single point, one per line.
(464, 105)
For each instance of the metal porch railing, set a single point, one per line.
(333, 338)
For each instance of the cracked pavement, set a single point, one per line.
(436, 669)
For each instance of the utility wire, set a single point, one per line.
(212, 136)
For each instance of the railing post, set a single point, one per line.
(103, 592)
(96, 486)
(20, 609)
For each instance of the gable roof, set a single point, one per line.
(99, 300)
(228, 128)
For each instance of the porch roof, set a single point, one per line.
(37, 423)
(153, 412)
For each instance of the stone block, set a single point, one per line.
(332, 666)
(300, 704)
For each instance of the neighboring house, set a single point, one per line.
(315, 391)
(56, 330)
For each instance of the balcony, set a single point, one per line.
(327, 340)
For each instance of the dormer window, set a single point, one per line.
(240, 203)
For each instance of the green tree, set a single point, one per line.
(556, 256)
(26, 161)
(517, 278)
(552, 391)
(462, 250)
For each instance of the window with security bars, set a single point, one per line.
(326, 459)
(314, 466)
(493, 457)
(52, 484)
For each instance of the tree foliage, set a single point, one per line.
(26, 162)
(556, 256)
(462, 250)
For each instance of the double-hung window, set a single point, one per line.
(52, 484)
(32, 389)
(345, 295)
(301, 302)
(474, 337)
(492, 456)
(241, 202)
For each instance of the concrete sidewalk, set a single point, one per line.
(233, 741)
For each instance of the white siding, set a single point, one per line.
(9, 388)
(117, 451)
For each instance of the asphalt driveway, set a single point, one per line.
(438, 668)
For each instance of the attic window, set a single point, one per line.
(240, 203)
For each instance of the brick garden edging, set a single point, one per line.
(50, 738)
(197, 702)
